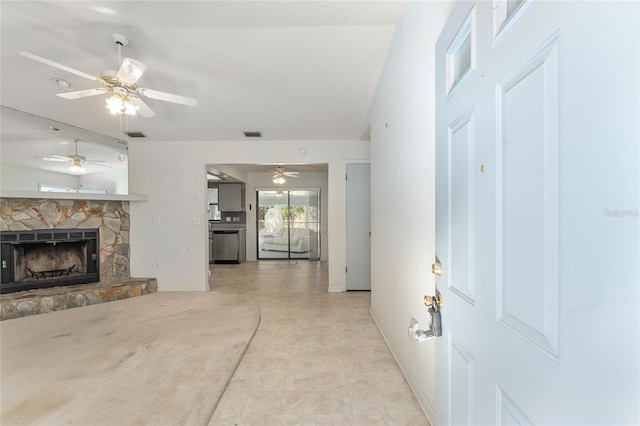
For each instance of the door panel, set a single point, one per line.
(358, 226)
(462, 389)
(509, 413)
(304, 213)
(313, 222)
(527, 123)
(461, 204)
(532, 150)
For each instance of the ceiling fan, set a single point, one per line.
(76, 160)
(279, 175)
(126, 95)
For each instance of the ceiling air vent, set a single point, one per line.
(135, 134)
(253, 134)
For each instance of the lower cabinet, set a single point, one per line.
(228, 246)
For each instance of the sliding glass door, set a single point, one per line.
(288, 224)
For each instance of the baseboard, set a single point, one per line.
(427, 408)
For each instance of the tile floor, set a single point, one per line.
(317, 357)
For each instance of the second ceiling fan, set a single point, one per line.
(126, 95)
(77, 161)
(279, 175)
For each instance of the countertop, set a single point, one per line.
(217, 226)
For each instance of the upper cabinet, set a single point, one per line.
(231, 197)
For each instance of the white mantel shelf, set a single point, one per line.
(72, 196)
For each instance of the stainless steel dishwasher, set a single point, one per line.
(226, 246)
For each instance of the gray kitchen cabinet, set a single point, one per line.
(231, 197)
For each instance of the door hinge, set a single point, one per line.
(346, 177)
(346, 269)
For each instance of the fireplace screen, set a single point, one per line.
(45, 258)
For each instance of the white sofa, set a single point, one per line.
(278, 241)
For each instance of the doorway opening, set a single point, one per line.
(288, 224)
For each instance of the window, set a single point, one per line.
(505, 14)
(214, 209)
(54, 188)
(461, 54)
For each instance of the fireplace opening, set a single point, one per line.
(45, 258)
(49, 260)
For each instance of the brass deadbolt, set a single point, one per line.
(436, 268)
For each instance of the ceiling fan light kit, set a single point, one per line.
(279, 175)
(77, 168)
(119, 103)
(125, 94)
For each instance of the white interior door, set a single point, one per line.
(358, 226)
(537, 213)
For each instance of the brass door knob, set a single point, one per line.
(433, 301)
(436, 268)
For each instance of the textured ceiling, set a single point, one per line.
(293, 70)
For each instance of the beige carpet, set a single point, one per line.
(160, 359)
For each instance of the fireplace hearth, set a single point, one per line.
(48, 258)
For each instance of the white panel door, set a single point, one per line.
(358, 226)
(538, 176)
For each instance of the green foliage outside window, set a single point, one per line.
(298, 215)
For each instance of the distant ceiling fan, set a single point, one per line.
(279, 175)
(126, 94)
(76, 160)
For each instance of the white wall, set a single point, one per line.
(172, 174)
(403, 192)
(16, 178)
(306, 180)
(115, 181)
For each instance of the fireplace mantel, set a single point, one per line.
(71, 196)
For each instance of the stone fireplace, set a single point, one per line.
(59, 253)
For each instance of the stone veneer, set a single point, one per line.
(110, 217)
(33, 302)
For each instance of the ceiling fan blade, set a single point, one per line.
(162, 96)
(143, 108)
(59, 66)
(97, 163)
(291, 174)
(131, 70)
(55, 158)
(82, 93)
